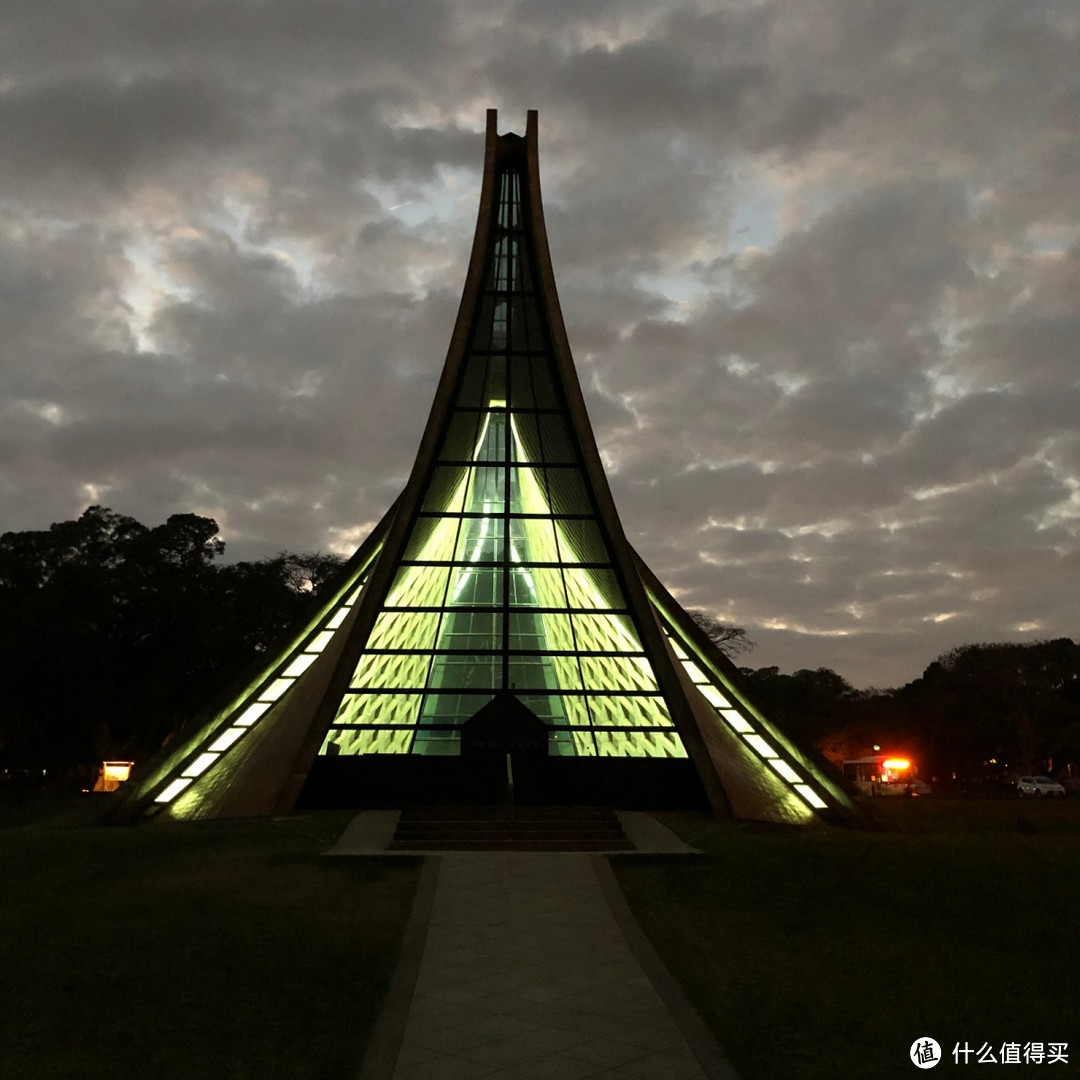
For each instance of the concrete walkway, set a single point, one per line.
(529, 966)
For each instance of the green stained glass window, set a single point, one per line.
(593, 588)
(378, 709)
(476, 586)
(486, 490)
(467, 439)
(446, 491)
(566, 492)
(531, 603)
(379, 671)
(480, 540)
(479, 671)
(618, 673)
(416, 586)
(533, 540)
(404, 630)
(605, 633)
(581, 541)
(529, 673)
(467, 629)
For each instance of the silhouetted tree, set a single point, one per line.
(731, 640)
(112, 634)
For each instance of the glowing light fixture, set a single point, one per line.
(275, 689)
(300, 665)
(112, 775)
(223, 742)
(810, 796)
(761, 746)
(736, 720)
(319, 641)
(173, 789)
(785, 770)
(896, 764)
(200, 765)
(252, 713)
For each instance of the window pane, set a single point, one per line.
(477, 671)
(462, 435)
(432, 539)
(580, 541)
(446, 491)
(618, 673)
(593, 588)
(487, 487)
(465, 629)
(606, 633)
(395, 672)
(544, 672)
(480, 540)
(378, 709)
(404, 630)
(629, 711)
(471, 388)
(566, 492)
(533, 540)
(476, 586)
(420, 586)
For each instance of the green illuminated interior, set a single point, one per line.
(507, 582)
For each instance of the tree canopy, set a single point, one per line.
(113, 634)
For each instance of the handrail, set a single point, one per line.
(509, 788)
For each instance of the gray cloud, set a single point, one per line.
(820, 267)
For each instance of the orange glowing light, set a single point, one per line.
(896, 764)
(112, 775)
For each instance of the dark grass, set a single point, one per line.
(826, 955)
(180, 952)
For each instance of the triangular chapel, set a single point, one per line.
(496, 610)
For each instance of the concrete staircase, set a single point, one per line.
(488, 828)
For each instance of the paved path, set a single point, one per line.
(533, 969)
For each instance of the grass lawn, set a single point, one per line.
(169, 952)
(826, 955)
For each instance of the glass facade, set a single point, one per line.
(507, 581)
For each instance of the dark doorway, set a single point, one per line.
(504, 728)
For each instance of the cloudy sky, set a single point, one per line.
(820, 264)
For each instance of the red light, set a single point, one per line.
(896, 764)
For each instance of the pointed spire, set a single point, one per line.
(501, 573)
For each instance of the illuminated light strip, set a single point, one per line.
(255, 711)
(200, 765)
(785, 770)
(174, 789)
(319, 641)
(225, 740)
(697, 676)
(760, 745)
(252, 713)
(299, 665)
(275, 689)
(714, 697)
(810, 796)
(736, 720)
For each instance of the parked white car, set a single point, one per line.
(1039, 785)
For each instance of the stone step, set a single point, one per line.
(503, 844)
(488, 828)
(521, 813)
(461, 836)
(602, 823)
